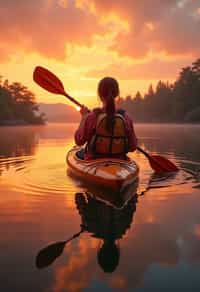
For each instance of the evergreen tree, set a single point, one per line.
(177, 102)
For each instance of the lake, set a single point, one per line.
(157, 236)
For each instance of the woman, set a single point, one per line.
(107, 131)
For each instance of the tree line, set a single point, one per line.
(168, 102)
(175, 102)
(18, 105)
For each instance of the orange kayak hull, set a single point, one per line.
(115, 174)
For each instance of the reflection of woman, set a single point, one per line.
(106, 223)
(108, 132)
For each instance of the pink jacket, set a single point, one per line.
(86, 131)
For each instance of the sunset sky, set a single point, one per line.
(81, 41)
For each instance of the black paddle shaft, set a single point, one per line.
(144, 152)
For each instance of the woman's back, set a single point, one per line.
(108, 132)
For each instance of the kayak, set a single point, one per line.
(110, 173)
(103, 221)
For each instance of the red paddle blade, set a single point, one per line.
(161, 164)
(48, 80)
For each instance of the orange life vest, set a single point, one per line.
(109, 142)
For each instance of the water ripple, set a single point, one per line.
(36, 176)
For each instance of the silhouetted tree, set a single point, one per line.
(177, 102)
(17, 104)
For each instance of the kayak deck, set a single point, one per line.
(115, 174)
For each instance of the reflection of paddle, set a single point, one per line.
(47, 255)
(50, 82)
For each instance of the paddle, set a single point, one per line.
(50, 253)
(51, 83)
(159, 163)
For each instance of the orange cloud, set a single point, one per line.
(150, 68)
(44, 26)
(84, 40)
(157, 26)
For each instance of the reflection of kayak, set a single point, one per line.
(112, 198)
(104, 221)
(115, 174)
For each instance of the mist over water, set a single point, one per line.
(158, 235)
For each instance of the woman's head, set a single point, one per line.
(108, 89)
(108, 256)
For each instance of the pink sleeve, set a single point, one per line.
(86, 129)
(132, 139)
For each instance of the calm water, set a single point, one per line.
(157, 237)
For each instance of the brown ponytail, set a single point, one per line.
(108, 89)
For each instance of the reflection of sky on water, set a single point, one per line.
(160, 250)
